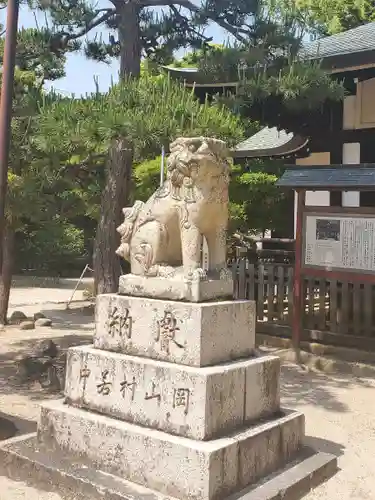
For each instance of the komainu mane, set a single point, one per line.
(164, 235)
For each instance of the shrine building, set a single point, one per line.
(342, 134)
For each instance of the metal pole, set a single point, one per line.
(9, 59)
(298, 300)
(77, 285)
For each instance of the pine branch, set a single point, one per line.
(187, 4)
(89, 26)
(183, 19)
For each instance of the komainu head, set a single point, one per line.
(197, 158)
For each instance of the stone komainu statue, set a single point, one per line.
(164, 234)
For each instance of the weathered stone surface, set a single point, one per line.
(194, 402)
(186, 333)
(163, 237)
(262, 388)
(176, 466)
(27, 325)
(17, 317)
(43, 322)
(176, 288)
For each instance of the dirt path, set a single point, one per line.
(339, 409)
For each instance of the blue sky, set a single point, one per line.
(80, 71)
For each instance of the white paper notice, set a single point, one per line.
(340, 242)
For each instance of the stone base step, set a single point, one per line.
(22, 459)
(173, 465)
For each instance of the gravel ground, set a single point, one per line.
(339, 409)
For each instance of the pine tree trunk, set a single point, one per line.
(130, 39)
(6, 274)
(115, 197)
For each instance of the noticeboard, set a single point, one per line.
(339, 242)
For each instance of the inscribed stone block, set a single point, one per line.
(194, 402)
(178, 332)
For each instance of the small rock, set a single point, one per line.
(27, 325)
(17, 317)
(43, 322)
(38, 315)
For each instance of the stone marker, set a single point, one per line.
(171, 399)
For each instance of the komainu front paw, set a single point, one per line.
(196, 275)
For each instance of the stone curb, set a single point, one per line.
(323, 364)
(33, 304)
(327, 365)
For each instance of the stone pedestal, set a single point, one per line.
(172, 398)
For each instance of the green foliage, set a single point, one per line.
(296, 85)
(31, 198)
(146, 178)
(149, 113)
(324, 17)
(56, 245)
(193, 58)
(256, 202)
(180, 23)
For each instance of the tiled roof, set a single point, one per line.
(360, 39)
(320, 178)
(356, 40)
(265, 139)
(269, 142)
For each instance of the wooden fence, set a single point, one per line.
(334, 312)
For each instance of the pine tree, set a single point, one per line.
(126, 125)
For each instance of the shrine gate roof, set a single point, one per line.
(269, 142)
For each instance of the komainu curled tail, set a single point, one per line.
(126, 228)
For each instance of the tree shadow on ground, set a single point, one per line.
(323, 445)
(301, 386)
(79, 321)
(10, 379)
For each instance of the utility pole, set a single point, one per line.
(9, 60)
